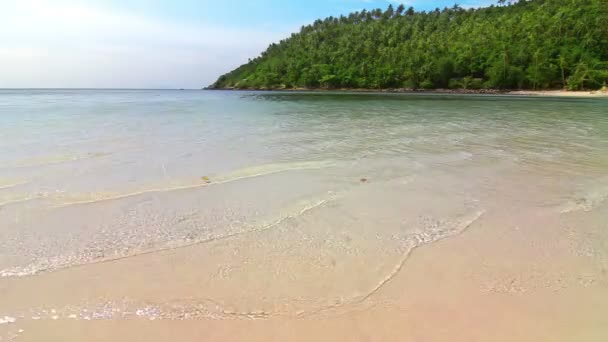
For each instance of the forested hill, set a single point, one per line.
(535, 44)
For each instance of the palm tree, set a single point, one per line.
(400, 10)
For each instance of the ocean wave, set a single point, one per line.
(54, 159)
(11, 184)
(95, 256)
(586, 202)
(208, 308)
(428, 236)
(245, 173)
(20, 198)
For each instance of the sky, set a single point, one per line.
(153, 43)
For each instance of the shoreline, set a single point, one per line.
(445, 281)
(383, 218)
(532, 93)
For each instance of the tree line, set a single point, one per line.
(534, 44)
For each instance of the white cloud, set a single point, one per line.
(67, 44)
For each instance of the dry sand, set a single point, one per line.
(549, 93)
(560, 93)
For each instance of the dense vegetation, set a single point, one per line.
(534, 44)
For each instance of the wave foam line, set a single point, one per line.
(19, 200)
(53, 160)
(586, 203)
(421, 240)
(252, 172)
(11, 185)
(36, 268)
(199, 310)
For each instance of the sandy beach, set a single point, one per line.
(534, 93)
(560, 93)
(303, 171)
(493, 282)
(249, 216)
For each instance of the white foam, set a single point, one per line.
(587, 202)
(427, 237)
(237, 175)
(66, 261)
(7, 320)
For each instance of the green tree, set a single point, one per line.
(535, 44)
(400, 10)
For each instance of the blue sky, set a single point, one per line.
(268, 12)
(152, 43)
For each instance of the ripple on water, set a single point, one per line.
(589, 199)
(64, 199)
(120, 246)
(272, 245)
(211, 309)
(7, 184)
(54, 159)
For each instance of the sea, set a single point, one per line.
(89, 176)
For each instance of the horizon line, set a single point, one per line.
(93, 88)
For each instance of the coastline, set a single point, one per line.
(447, 281)
(383, 218)
(532, 93)
(559, 93)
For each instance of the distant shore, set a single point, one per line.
(542, 93)
(593, 93)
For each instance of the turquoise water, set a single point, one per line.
(96, 174)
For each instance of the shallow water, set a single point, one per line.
(357, 179)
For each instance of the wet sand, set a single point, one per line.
(512, 272)
(495, 282)
(245, 216)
